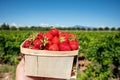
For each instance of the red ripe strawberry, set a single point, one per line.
(54, 31)
(72, 73)
(55, 40)
(54, 47)
(40, 35)
(47, 45)
(49, 36)
(27, 44)
(64, 47)
(37, 43)
(73, 37)
(64, 37)
(64, 34)
(33, 47)
(74, 44)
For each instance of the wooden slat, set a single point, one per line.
(31, 65)
(55, 67)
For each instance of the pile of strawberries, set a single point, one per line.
(53, 40)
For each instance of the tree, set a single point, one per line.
(78, 28)
(89, 29)
(5, 26)
(100, 28)
(118, 28)
(83, 28)
(94, 29)
(106, 28)
(113, 29)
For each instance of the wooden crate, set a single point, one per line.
(53, 64)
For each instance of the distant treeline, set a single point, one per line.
(5, 26)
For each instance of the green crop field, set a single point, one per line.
(101, 48)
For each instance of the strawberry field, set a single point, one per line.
(102, 49)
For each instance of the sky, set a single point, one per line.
(92, 13)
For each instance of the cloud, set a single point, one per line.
(14, 24)
(44, 25)
(59, 25)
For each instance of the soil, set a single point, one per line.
(6, 76)
(82, 63)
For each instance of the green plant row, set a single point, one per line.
(101, 48)
(10, 45)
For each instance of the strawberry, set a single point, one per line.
(46, 47)
(27, 44)
(72, 37)
(55, 40)
(72, 73)
(64, 37)
(74, 44)
(35, 48)
(40, 36)
(64, 47)
(49, 36)
(54, 31)
(52, 40)
(37, 43)
(54, 47)
(64, 34)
